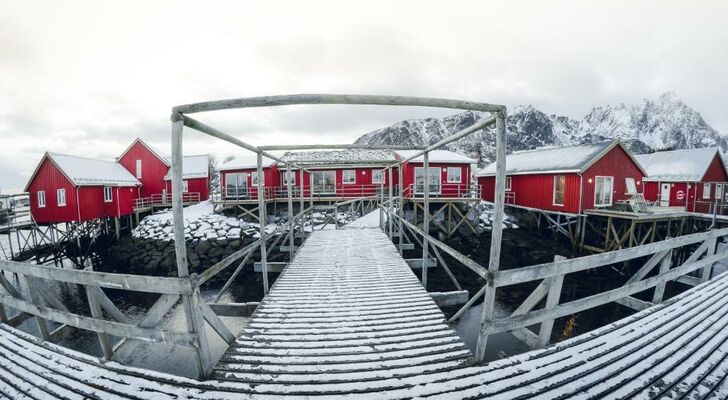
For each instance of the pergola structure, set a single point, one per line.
(181, 118)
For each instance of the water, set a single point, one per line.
(500, 345)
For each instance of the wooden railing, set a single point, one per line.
(551, 275)
(157, 200)
(24, 292)
(444, 190)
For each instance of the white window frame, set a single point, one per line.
(508, 183)
(718, 191)
(286, 178)
(611, 190)
(185, 186)
(254, 178)
(377, 173)
(41, 199)
(108, 194)
(138, 169)
(61, 197)
(460, 174)
(346, 172)
(553, 197)
(706, 191)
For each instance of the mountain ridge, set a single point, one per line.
(650, 125)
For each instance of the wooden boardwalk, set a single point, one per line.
(348, 318)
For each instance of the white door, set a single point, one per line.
(665, 194)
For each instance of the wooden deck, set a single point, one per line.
(349, 318)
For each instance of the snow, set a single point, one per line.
(87, 171)
(438, 156)
(677, 166)
(191, 213)
(551, 159)
(368, 221)
(247, 161)
(193, 167)
(346, 156)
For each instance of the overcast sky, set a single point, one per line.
(86, 78)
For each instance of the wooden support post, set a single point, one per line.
(400, 209)
(552, 300)
(37, 300)
(289, 189)
(708, 269)
(301, 203)
(203, 360)
(95, 307)
(426, 216)
(665, 265)
(262, 218)
(496, 237)
(117, 228)
(391, 203)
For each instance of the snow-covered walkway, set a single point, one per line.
(348, 319)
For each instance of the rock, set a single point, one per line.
(202, 247)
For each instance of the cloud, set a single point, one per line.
(87, 78)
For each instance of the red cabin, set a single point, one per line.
(693, 178)
(567, 179)
(153, 169)
(67, 188)
(238, 178)
(449, 174)
(349, 173)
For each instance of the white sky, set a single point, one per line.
(87, 77)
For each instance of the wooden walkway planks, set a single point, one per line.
(356, 322)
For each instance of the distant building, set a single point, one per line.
(693, 178)
(153, 169)
(67, 188)
(238, 178)
(450, 174)
(567, 179)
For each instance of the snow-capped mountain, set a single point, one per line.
(649, 125)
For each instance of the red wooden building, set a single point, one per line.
(566, 179)
(152, 168)
(67, 188)
(346, 173)
(450, 175)
(238, 178)
(693, 178)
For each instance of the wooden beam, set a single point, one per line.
(416, 263)
(634, 303)
(443, 299)
(271, 267)
(216, 324)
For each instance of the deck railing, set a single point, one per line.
(443, 191)
(165, 199)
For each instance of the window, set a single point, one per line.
(433, 181)
(41, 199)
(138, 168)
(603, 191)
(454, 174)
(718, 191)
(377, 176)
(706, 190)
(61, 197)
(108, 194)
(291, 178)
(254, 178)
(236, 185)
(348, 176)
(631, 186)
(185, 187)
(559, 189)
(508, 183)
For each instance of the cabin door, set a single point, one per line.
(434, 180)
(664, 194)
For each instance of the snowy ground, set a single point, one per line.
(369, 221)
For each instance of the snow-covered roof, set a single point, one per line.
(437, 156)
(688, 165)
(570, 159)
(247, 161)
(192, 167)
(340, 157)
(82, 171)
